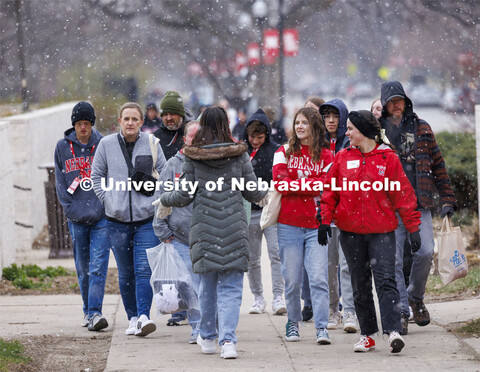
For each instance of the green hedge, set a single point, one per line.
(460, 156)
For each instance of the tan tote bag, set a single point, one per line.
(452, 263)
(271, 211)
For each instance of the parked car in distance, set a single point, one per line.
(426, 95)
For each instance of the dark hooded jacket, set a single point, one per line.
(81, 206)
(218, 231)
(262, 162)
(430, 167)
(342, 140)
(151, 126)
(172, 140)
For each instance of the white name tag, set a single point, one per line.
(353, 164)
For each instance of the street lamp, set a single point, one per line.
(281, 56)
(260, 10)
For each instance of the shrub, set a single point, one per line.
(459, 152)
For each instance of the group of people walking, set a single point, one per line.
(325, 247)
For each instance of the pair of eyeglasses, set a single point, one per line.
(331, 116)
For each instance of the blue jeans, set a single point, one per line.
(307, 300)
(367, 254)
(220, 292)
(337, 270)
(421, 264)
(184, 252)
(129, 242)
(299, 248)
(91, 251)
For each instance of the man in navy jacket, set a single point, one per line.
(86, 216)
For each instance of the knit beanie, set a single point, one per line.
(365, 122)
(83, 111)
(152, 106)
(172, 103)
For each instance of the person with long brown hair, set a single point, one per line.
(306, 156)
(218, 230)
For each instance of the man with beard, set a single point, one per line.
(174, 117)
(425, 168)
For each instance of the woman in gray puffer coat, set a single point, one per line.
(219, 230)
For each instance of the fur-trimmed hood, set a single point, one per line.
(217, 154)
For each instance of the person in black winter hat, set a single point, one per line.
(262, 150)
(74, 155)
(83, 111)
(151, 122)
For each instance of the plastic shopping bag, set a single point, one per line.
(452, 263)
(171, 282)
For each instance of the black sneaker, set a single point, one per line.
(404, 324)
(307, 313)
(97, 323)
(177, 319)
(421, 315)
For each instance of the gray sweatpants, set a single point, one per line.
(255, 253)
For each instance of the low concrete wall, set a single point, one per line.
(28, 141)
(7, 212)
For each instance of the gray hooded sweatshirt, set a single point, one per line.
(123, 205)
(178, 223)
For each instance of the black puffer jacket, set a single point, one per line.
(263, 160)
(218, 231)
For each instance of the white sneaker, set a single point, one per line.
(229, 350)
(85, 321)
(410, 315)
(396, 342)
(145, 326)
(278, 306)
(132, 326)
(208, 346)
(334, 319)
(350, 323)
(258, 306)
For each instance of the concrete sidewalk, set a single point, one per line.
(261, 345)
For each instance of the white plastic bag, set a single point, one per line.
(171, 282)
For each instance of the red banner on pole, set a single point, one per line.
(290, 42)
(271, 46)
(253, 54)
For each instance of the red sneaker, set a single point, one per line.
(365, 344)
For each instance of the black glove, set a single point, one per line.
(415, 241)
(318, 216)
(447, 210)
(323, 231)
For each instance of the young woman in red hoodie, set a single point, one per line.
(306, 157)
(367, 188)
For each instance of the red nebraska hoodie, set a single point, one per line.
(369, 211)
(299, 198)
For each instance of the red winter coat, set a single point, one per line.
(370, 211)
(299, 207)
